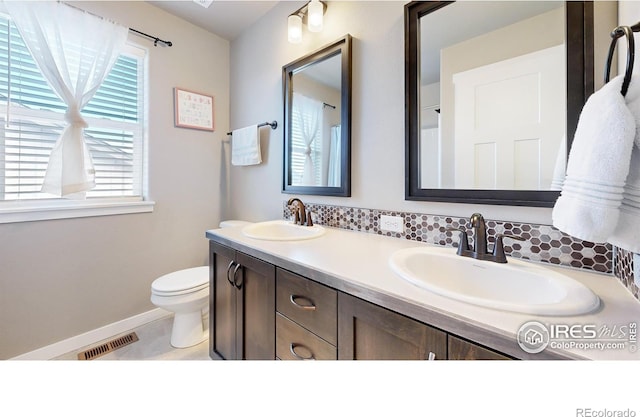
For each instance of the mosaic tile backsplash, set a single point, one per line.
(623, 269)
(543, 243)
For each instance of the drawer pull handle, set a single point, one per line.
(292, 349)
(229, 270)
(308, 306)
(235, 278)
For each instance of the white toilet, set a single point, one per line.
(186, 293)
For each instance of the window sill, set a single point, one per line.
(16, 212)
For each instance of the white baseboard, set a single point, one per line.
(77, 342)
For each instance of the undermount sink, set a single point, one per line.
(282, 230)
(516, 286)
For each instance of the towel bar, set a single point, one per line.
(273, 125)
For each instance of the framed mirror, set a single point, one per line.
(494, 90)
(317, 122)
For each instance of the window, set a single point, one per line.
(32, 119)
(298, 147)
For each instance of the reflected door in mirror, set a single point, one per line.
(509, 122)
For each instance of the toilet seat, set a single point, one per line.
(181, 282)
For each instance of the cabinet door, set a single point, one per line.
(367, 331)
(222, 303)
(256, 328)
(460, 349)
(242, 305)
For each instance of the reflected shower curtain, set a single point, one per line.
(309, 116)
(333, 179)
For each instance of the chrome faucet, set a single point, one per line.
(300, 214)
(479, 250)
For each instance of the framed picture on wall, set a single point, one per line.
(193, 110)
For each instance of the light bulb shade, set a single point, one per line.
(294, 28)
(315, 12)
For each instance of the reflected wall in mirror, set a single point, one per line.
(494, 89)
(317, 112)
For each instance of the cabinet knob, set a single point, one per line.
(292, 349)
(309, 306)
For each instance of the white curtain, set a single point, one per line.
(309, 114)
(333, 179)
(74, 51)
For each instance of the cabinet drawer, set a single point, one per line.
(311, 305)
(462, 350)
(294, 342)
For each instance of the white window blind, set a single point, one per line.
(35, 119)
(298, 148)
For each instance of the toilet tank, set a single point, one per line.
(233, 223)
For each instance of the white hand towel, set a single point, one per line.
(245, 146)
(627, 232)
(589, 205)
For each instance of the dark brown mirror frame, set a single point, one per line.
(579, 41)
(342, 47)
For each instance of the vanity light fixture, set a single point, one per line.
(316, 10)
(313, 12)
(294, 28)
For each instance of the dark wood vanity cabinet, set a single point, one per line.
(260, 311)
(367, 331)
(241, 306)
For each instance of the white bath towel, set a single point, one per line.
(560, 167)
(245, 146)
(589, 205)
(627, 232)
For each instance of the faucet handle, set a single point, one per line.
(498, 248)
(309, 219)
(464, 240)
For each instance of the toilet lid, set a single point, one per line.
(183, 281)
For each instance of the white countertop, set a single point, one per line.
(357, 263)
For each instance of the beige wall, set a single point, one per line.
(321, 92)
(62, 278)
(628, 14)
(377, 28)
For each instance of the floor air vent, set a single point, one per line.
(107, 347)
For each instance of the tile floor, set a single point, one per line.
(153, 344)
